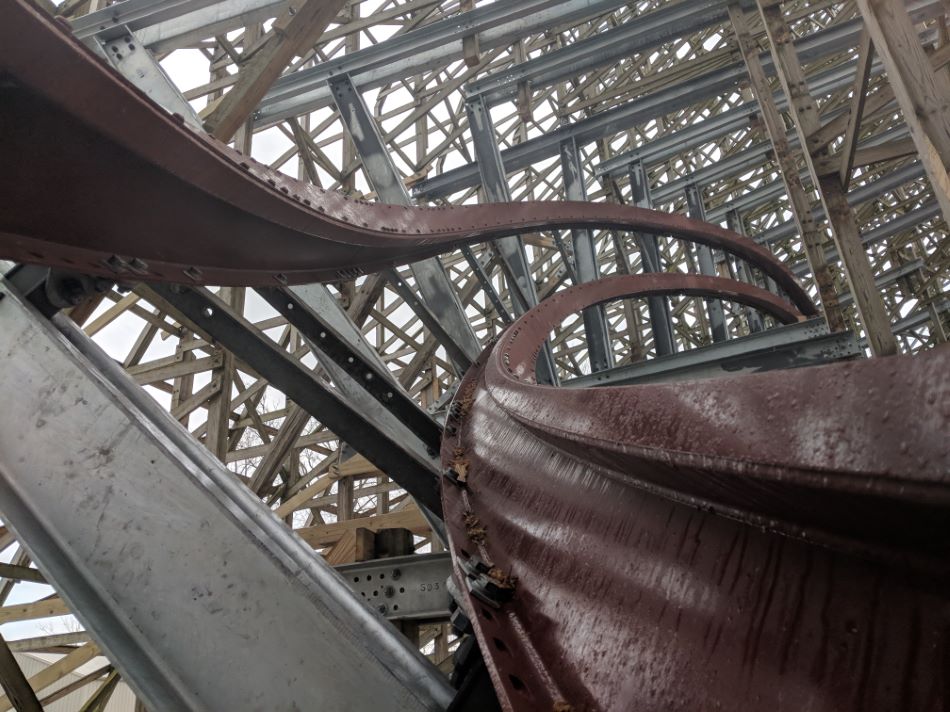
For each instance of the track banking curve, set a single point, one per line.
(98, 179)
(777, 541)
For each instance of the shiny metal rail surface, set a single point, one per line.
(99, 180)
(767, 542)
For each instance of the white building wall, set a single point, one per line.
(123, 700)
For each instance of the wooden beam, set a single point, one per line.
(26, 645)
(469, 42)
(875, 103)
(77, 685)
(898, 148)
(21, 573)
(29, 611)
(111, 314)
(788, 160)
(841, 218)
(169, 367)
(57, 671)
(304, 151)
(100, 698)
(281, 446)
(922, 93)
(327, 534)
(355, 545)
(317, 487)
(858, 98)
(183, 408)
(15, 684)
(218, 424)
(293, 33)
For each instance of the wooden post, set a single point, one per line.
(841, 218)
(788, 161)
(293, 32)
(922, 93)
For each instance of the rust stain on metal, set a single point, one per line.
(474, 530)
(502, 579)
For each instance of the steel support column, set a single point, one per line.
(510, 249)
(707, 265)
(437, 290)
(165, 558)
(585, 261)
(359, 423)
(735, 223)
(132, 60)
(659, 307)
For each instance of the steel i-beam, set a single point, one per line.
(437, 291)
(585, 259)
(659, 308)
(200, 595)
(707, 266)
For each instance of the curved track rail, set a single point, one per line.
(775, 541)
(99, 180)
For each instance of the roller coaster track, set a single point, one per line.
(98, 179)
(777, 541)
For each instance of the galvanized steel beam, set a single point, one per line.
(357, 423)
(659, 307)
(165, 558)
(433, 45)
(585, 262)
(807, 343)
(437, 291)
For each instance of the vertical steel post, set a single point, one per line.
(659, 307)
(511, 249)
(717, 317)
(585, 260)
(437, 290)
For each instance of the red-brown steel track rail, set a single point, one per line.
(97, 179)
(778, 541)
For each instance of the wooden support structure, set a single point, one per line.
(327, 534)
(281, 445)
(858, 97)
(424, 128)
(293, 33)
(30, 611)
(469, 42)
(788, 160)
(57, 671)
(922, 93)
(841, 218)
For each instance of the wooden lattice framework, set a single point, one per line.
(301, 469)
